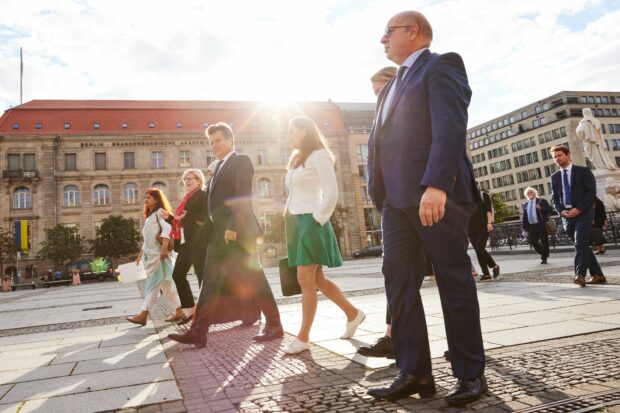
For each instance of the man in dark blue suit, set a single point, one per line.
(535, 213)
(422, 181)
(574, 189)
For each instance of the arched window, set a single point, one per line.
(101, 195)
(22, 198)
(264, 188)
(71, 196)
(130, 193)
(159, 185)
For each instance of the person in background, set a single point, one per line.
(189, 231)
(155, 256)
(599, 222)
(574, 190)
(384, 347)
(480, 226)
(535, 213)
(310, 238)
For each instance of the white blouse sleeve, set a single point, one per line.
(165, 226)
(327, 180)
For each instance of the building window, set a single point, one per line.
(16, 125)
(363, 173)
(157, 160)
(185, 158)
(372, 219)
(129, 160)
(159, 185)
(261, 157)
(70, 162)
(38, 125)
(22, 198)
(264, 188)
(101, 195)
(96, 125)
(151, 125)
(29, 162)
(13, 162)
(362, 152)
(285, 154)
(365, 195)
(124, 125)
(130, 193)
(67, 125)
(210, 158)
(101, 161)
(179, 124)
(71, 196)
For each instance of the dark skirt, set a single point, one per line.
(307, 242)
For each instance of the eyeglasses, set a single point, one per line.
(390, 29)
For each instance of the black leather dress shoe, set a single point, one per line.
(269, 333)
(485, 277)
(543, 260)
(466, 391)
(495, 271)
(405, 385)
(382, 348)
(191, 337)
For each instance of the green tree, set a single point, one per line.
(7, 249)
(116, 237)
(501, 211)
(62, 245)
(275, 233)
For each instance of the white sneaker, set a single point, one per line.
(296, 347)
(352, 325)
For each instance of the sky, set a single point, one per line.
(515, 51)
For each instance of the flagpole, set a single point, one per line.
(21, 75)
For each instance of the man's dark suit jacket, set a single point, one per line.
(542, 214)
(583, 189)
(405, 155)
(230, 198)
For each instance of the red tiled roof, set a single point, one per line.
(246, 117)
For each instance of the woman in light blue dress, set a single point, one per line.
(156, 256)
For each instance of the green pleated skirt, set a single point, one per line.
(307, 242)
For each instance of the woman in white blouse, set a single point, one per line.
(155, 256)
(310, 239)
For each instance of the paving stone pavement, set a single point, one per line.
(235, 374)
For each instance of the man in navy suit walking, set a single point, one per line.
(574, 189)
(422, 181)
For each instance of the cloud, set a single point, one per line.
(516, 51)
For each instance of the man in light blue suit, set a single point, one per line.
(421, 179)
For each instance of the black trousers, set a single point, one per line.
(539, 239)
(429, 271)
(189, 254)
(478, 237)
(230, 267)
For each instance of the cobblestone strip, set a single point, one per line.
(234, 374)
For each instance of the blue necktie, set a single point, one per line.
(568, 196)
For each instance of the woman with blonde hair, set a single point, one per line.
(310, 238)
(156, 255)
(189, 230)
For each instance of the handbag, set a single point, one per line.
(550, 226)
(158, 237)
(288, 279)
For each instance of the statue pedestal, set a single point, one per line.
(608, 188)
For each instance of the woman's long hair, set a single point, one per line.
(162, 202)
(312, 141)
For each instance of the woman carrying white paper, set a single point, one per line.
(155, 256)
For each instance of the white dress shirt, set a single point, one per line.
(313, 189)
